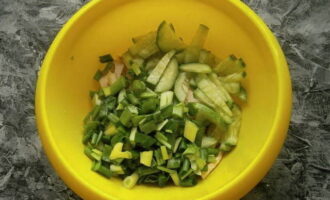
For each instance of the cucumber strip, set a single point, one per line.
(214, 78)
(145, 47)
(211, 90)
(242, 94)
(167, 39)
(168, 78)
(192, 53)
(231, 136)
(233, 87)
(206, 57)
(230, 65)
(200, 36)
(203, 98)
(181, 86)
(196, 68)
(158, 71)
(127, 59)
(142, 37)
(180, 57)
(235, 77)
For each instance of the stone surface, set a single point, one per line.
(302, 171)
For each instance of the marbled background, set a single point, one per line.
(302, 171)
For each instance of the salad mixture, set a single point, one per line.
(165, 112)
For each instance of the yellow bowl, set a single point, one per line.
(102, 27)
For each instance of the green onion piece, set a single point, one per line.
(137, 65)
(178, 110)
(164, 153)
(122, 95)
(106, 58)
(149, 105)
(203, 154)
(185, 165)
(176, 144)
(148, 127)
(111, 130)
(98, 75)
(88, 152)
(162, 180)
(161, 125)
(146, 158)
(133, 99)
(190, 130)
(96, 100)
(186, 174)
(125, 118)
(137, 119)
(116, 169)
(143, 171)
(113, 118)
(146, 95)
(188, 182)
(138, 86)
(175, 178)
(114, 88)
(99, 136)
(211, 159)
(213, 151)
(143, 140)
(159, 157)
(166, 98)
(173, 163)
(133, 109)
(94, 138)
(132, 135)
(163, 139)
(117, 152)
(164, 169)
(102, 170)
(131, 180)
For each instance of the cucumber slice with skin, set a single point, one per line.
(168, 78)
(145, 47)
(233, 87)
(192, 52)
(196, 68)
(211, 90)
(181, 86)
(142, 37)
(214, 78)
(206, 57)
(180, 57)
(158, 71)
(167, 39)
(230, 65)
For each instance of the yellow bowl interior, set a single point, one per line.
(107, 27)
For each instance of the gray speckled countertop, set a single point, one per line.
(302, 171)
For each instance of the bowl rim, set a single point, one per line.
(244, 180)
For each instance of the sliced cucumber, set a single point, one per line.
(157, 72)
(167, 39)
(142, 37)
(233, 87)
(200, 36)
(231, 136)
(145, 47)
(203, 98)
(206, 57)
(181, 86)
(180, 57)
(242, 95)
(214, 78)
(211, 90)
(235, 77)
(196, 68)
(230, 65)
(168, 78)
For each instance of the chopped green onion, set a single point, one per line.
(148, 127)
(166, 98)
(113, 118)
(163, 139)
(125, 117)
(146, 158)
(176, 144)
(106, 58)
(164, 153)
(161, 125)
(173, 163)
(131, 180)
(144, 140)
(133, 134)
